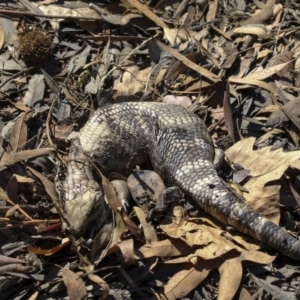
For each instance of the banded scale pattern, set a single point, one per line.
(180, 149)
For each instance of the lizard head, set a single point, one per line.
(83, 209)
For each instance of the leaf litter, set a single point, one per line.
(234, 63)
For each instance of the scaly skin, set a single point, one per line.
(180, 149)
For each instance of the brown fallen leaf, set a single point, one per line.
(132, 82)
(256, 29)
(216, 101)
(102, 283)
(205, 235)
(231, 271)
(143, 8)
(254, 82)
(212, 10)
(175, 36)
(186, 279)
(148, 229)
(166, 248)
(126, 247)
(265, 167)
(116, 206)
(75, 286)
(262, 74)
(48, 252)
(265, 14)
(13, 158)
(18, 137)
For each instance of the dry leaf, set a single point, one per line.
(165, 248)
(175, 36)
(132, 81)
(183, 101)
(49, 186)
(188, 62)
(18, 137)
(265, 73)
(148, 229)
(265, 166)
(64, 12)
(13, 158)
(143, 8)
(188, 278)
(255, 82)
(2, 37)
(102, 283)
(231, 271)
(48, 252)
(265, 14)
(204, 233)
(75, 286)
(126, 248)
(258, 30)
(212, 10)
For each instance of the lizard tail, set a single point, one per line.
(214, 198)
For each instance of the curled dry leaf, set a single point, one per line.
(35, 92)
(116, 206)
(258, 30)
(148, 229)
(265, 14)
(49, 186)
(102, 283)
(212, 10)
(188, 62)
(126, 247)
(48, 252)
